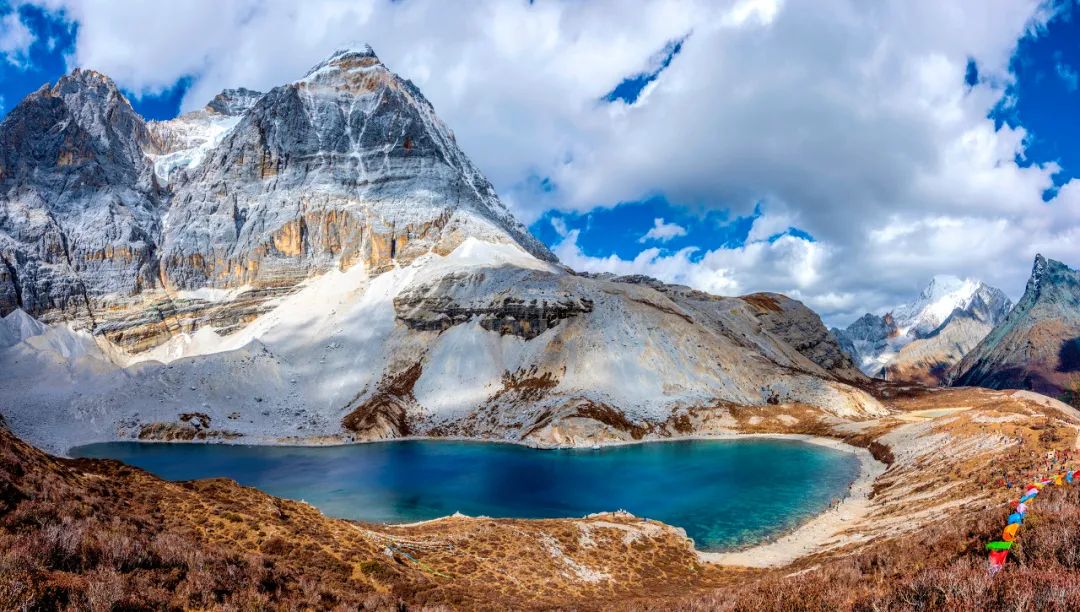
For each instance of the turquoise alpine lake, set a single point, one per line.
(724, 493)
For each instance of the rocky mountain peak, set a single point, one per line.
(355, 68)
(1038, 267)
(1034, 347)
(1049, 274)
(941, 296)
(82, 125)
(233, 102)
(82, 206)
(97, 104)
(81, 81)
(348, 166)
(1051, 281)
(354, 50)
(1038, 270)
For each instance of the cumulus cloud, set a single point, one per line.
(848, 120)
(662, 232)
(15, 39)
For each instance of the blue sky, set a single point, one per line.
(48, 58)
(841, 152)
(1045, 98)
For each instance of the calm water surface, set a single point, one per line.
(724, 493)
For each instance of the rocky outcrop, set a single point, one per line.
(533, 305)
(801, 328)
(1037, 346)
(922, 340)
(188, 427)
(155, 322)
(385, 413)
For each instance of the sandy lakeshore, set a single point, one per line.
(823, 531)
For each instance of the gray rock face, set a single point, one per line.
(234, 102)
(867, 337)
(346, 166)
(1037, 346)
(80, 210)
(802, 328)
(534, 304)
(783, 329)
(988, 305)
(349, 163)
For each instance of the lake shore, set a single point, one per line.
(824, 530)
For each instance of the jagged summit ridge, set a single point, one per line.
(936, 302)
(350, 57)
(1038, 269)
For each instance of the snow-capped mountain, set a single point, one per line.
(323, 262)
(920, 340)
(349, 163)
(935, 303)
(1037, 346)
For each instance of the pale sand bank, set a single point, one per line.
(823, 531)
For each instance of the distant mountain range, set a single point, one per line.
(923, 339)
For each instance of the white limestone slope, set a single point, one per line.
(297, 370)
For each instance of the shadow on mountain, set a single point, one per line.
(1069, 356)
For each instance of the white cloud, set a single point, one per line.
(15, 39)
(771, 224)
(662, 232)
(788, 264)
(849, 120)
(1068, 76)
(559, 225)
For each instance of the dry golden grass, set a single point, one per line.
(84, 534)
(91, 534)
